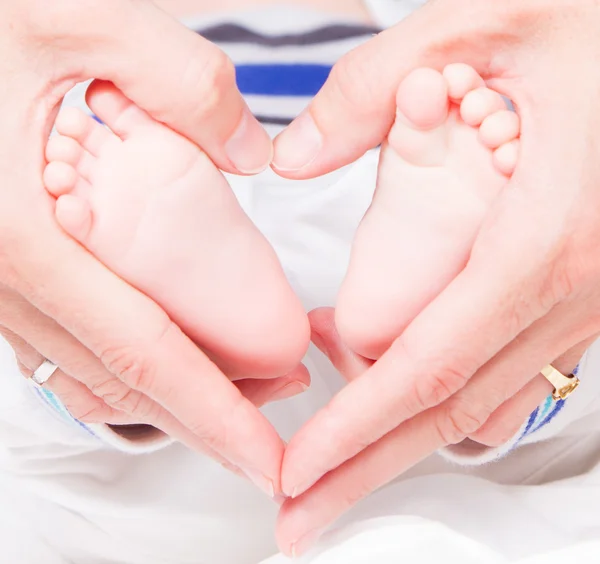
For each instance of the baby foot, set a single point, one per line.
(155, 210)
(451, 150)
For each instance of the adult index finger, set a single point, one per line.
(484, 308)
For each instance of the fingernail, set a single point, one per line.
(299, 145)
(300, 489)
(305, 543)
(289, 391)
(261, 482)
(250, 148)
(233, 469)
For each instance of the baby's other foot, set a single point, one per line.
(450, 152)
(156, 211)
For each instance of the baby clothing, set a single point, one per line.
(81, 496)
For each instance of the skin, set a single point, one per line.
(183, 8)
(118, 350)
(529, 293)
(528, 296)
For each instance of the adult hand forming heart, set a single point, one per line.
(122, 359)
(521, 292)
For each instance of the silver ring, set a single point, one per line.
(43, 373)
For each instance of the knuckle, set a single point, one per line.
(348, 440)
(359, 491)
(130, 365)
(441, 383)
(527, 307)
(135, 363)
(118, 395)
(219, 434)
(493, 439)
(496, 433)
(211, 76)
(214, 435)
(85, 413)
(84, 410)
(459, 420)
(562, 282)
(348, 79)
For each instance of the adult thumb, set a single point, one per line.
(355, 109)
(177, 76)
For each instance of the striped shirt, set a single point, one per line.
(283, 58)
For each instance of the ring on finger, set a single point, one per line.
(43, 373)
(564, 386)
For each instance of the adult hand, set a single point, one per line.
(303, 520)
(530, 290)
(93, 395)
(105, 330)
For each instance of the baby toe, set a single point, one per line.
(506, 157)
(60, 178)
(63, 149)
(119, 113)
(499, 128)
(480, 103)
(422, 99)
(461, 79)
(84, 129)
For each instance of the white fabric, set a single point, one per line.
(172, 506)
(68, 498)
(388, 12)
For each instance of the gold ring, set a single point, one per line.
(564, 386)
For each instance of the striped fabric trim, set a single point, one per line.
(279, 73)
(281, 80)
(543, 415)
(57, 406)
(232, 33)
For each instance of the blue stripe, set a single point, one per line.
(547, 406)
(545, 416)
(530, 423)
(557, 409)
(282, 80)
(51, 399)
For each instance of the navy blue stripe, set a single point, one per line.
(232, 33)
(273, 120)
(558, 406)
(531, 421)
(282, 80)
